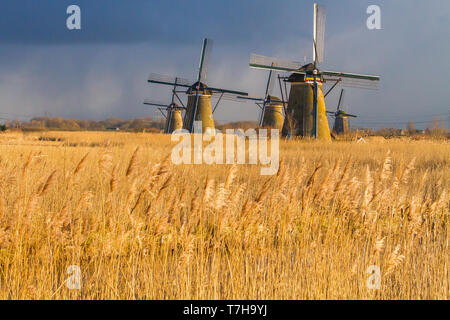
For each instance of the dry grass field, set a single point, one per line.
(140, 227)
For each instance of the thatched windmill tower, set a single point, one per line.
(171, 111)
(272, 114)
(306, 112)
(198, 106)
(340, 116)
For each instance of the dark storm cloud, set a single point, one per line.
(120, 21)
(101, 70)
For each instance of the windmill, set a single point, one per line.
(340, 116)
(199, 94)
(306, 114)
(172, 114)
(271, 115)
(171, 111)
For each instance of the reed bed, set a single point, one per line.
(140, 227)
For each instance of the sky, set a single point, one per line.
(101, 71)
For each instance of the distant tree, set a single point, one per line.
(244, 125)
(35, 123)
(411, 128)
(57, 123)
(16, 124)
(83, 124)
(436, 127)
(112, 123)
(388, 132)
(72, 124)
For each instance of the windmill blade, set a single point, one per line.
(355, 83)
(268, 63)
(155, 103)
(271, 82)
(251, 98)
(351, 75)
(341, 100)
(219, 90)
(258, 99)
(204, 59)
(268, 93)
(344, 114)
(228, 96)
(353, 80)
(319, 33)
(220, 96)
(169, 80)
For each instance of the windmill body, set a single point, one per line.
(306, 111)
(174, 121)
(171, 112)
(341, 124)
(273, 114)
(199, 101)
(199, 105)
(301, 118)
(272, 107)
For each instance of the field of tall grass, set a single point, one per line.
(140, 227)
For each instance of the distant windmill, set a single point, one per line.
(306, 113)
(171, 111)
(340, 116)
(199, 94)
(271, 115)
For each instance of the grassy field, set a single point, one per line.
(140, 227)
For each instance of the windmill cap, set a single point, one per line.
(176, 106)
(198, 86)
(307, 68)
(273, 99)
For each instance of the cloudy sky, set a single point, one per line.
(100, 71)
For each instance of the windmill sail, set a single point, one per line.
(269, 89)
(349, 115)
(341, 99)
(319, 33)
(219, 90)
(351, 75)
(228, 96)
(169, 80)
(155, 103)
(252, 98)
(353, 80)
(204, 59)
(270, 82)
(262, 62)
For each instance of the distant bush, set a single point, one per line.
(62, 124)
